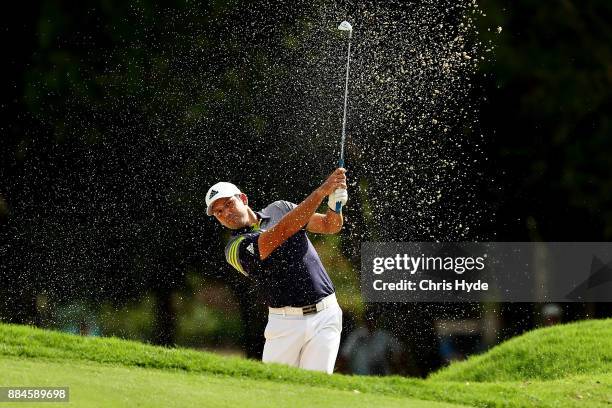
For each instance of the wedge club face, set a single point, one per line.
(345, 26)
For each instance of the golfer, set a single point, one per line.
(271, 247)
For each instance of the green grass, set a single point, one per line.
(566, 365)
(93, 385)
(545, 354)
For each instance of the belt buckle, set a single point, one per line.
(308, 310)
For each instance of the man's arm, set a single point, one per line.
(297, 218)
(328, 223)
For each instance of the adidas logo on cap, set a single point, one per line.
(212, 194)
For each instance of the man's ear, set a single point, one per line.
(243, 197)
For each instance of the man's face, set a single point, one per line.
(232, 212)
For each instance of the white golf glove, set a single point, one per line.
(340, 195)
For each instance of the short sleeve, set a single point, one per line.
(279, 208)
(288, 205)
(242, 252)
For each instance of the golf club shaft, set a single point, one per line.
(341, 161)
(348, 60)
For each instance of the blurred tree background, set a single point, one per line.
(117, 116)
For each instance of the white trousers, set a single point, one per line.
(310, 342)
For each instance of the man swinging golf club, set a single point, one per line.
(271, 247)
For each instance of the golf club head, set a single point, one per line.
(345, 26)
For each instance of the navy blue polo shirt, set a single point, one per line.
(292, 275)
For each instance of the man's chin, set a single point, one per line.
(235, 226)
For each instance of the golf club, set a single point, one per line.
(345, 26)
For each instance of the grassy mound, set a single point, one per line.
(545, 354)
(582, 378)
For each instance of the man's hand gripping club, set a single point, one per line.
(297, 218)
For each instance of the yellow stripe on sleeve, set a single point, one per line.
(232, 255)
